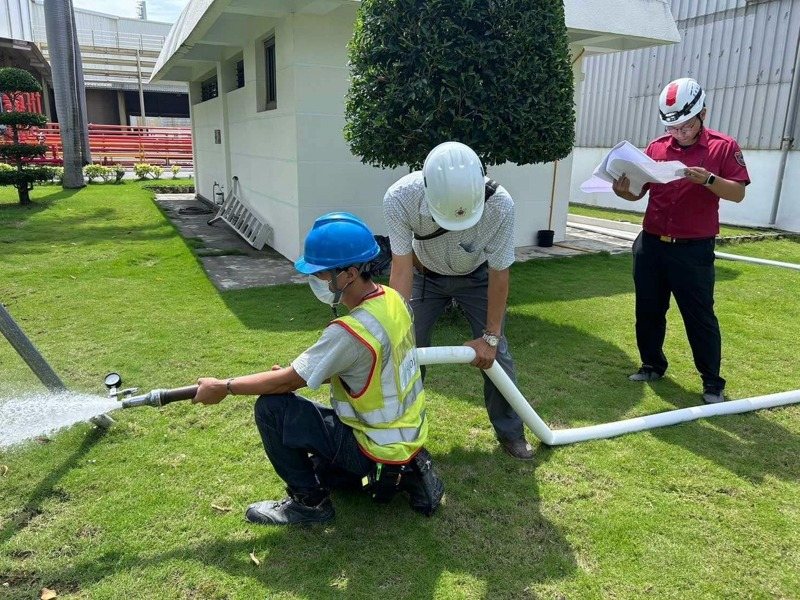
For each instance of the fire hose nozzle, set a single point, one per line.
(148, 399)
(159, 398)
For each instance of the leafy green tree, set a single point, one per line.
(493, 74)
(17, 153)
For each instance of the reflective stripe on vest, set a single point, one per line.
(389, 408)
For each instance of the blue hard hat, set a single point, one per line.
(337, 239)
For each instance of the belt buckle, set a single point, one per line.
(666, 238)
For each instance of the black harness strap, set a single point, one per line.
(489, 191)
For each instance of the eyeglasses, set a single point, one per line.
(683, 129)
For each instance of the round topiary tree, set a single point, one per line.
(493, 74)
(14, 151)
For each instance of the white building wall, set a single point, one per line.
(329, 176)
(209, 157)
(263, 145)
(789, 210)
(293, 163)
(755, 210)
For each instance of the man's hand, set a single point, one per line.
(484, 353)
(696, 175)
(210, 391)
(622, 188)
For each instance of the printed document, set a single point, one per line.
(627, 159)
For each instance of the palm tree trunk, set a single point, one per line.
(59, 24)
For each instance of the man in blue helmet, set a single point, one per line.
(377, 426)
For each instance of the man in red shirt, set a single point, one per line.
(674, 254)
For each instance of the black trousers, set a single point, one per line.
(292, 428)
(686, 271)
(430, 297)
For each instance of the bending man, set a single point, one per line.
(452, 236)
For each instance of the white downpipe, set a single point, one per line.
(464, 354)
(624, 235)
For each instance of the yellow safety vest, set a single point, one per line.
(388, 415)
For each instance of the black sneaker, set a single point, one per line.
(519, 448)
(712, 396)
(290, 511)
(645, 374)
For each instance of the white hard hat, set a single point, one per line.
(454, 188)
(680, 100)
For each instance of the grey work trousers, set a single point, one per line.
(431, 295)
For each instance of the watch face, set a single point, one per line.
(492, 340)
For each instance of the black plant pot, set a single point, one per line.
(544, 238)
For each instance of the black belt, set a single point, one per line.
(673, 240)
(434, 275)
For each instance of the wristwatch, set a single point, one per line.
(710, 181)
(491, 339)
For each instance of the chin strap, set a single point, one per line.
(338, 292)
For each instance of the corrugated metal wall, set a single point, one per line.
(741, 52)
(15, 20)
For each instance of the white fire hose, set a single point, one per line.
(464, 355)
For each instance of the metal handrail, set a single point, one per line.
(113, 39)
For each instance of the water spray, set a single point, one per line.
(156, 398)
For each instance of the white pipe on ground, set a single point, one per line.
(616, 233)
(465, 354)
(624, 235)
(758, 261)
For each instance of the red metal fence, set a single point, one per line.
(125, 145)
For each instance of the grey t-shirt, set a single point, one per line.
(337, 352)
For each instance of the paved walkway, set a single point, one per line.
(232, 264)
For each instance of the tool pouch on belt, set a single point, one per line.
(384, 482)
(417, 478)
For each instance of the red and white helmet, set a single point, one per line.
(680, 100)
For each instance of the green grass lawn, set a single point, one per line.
(100, 281)
(614, 214)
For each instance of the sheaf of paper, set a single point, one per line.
(595, 185)
(624, 151)
(636, 165)
(652, 172)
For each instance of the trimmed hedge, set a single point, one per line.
(23, 119)
(17, 80)
(494, 74)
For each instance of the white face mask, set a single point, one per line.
(322, 291)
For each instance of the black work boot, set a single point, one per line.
(296, 508)
(713, 395)
(519, 448)
(424, 487)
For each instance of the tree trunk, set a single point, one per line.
(24, 195)
(60, 43)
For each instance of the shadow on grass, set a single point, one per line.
(580, 379)
(18, 520)
(580, 278)
(83, 230)
(489, 536)
(748, 444)
(290, 307)
(9, 208)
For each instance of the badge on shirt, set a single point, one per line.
(739, 158)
